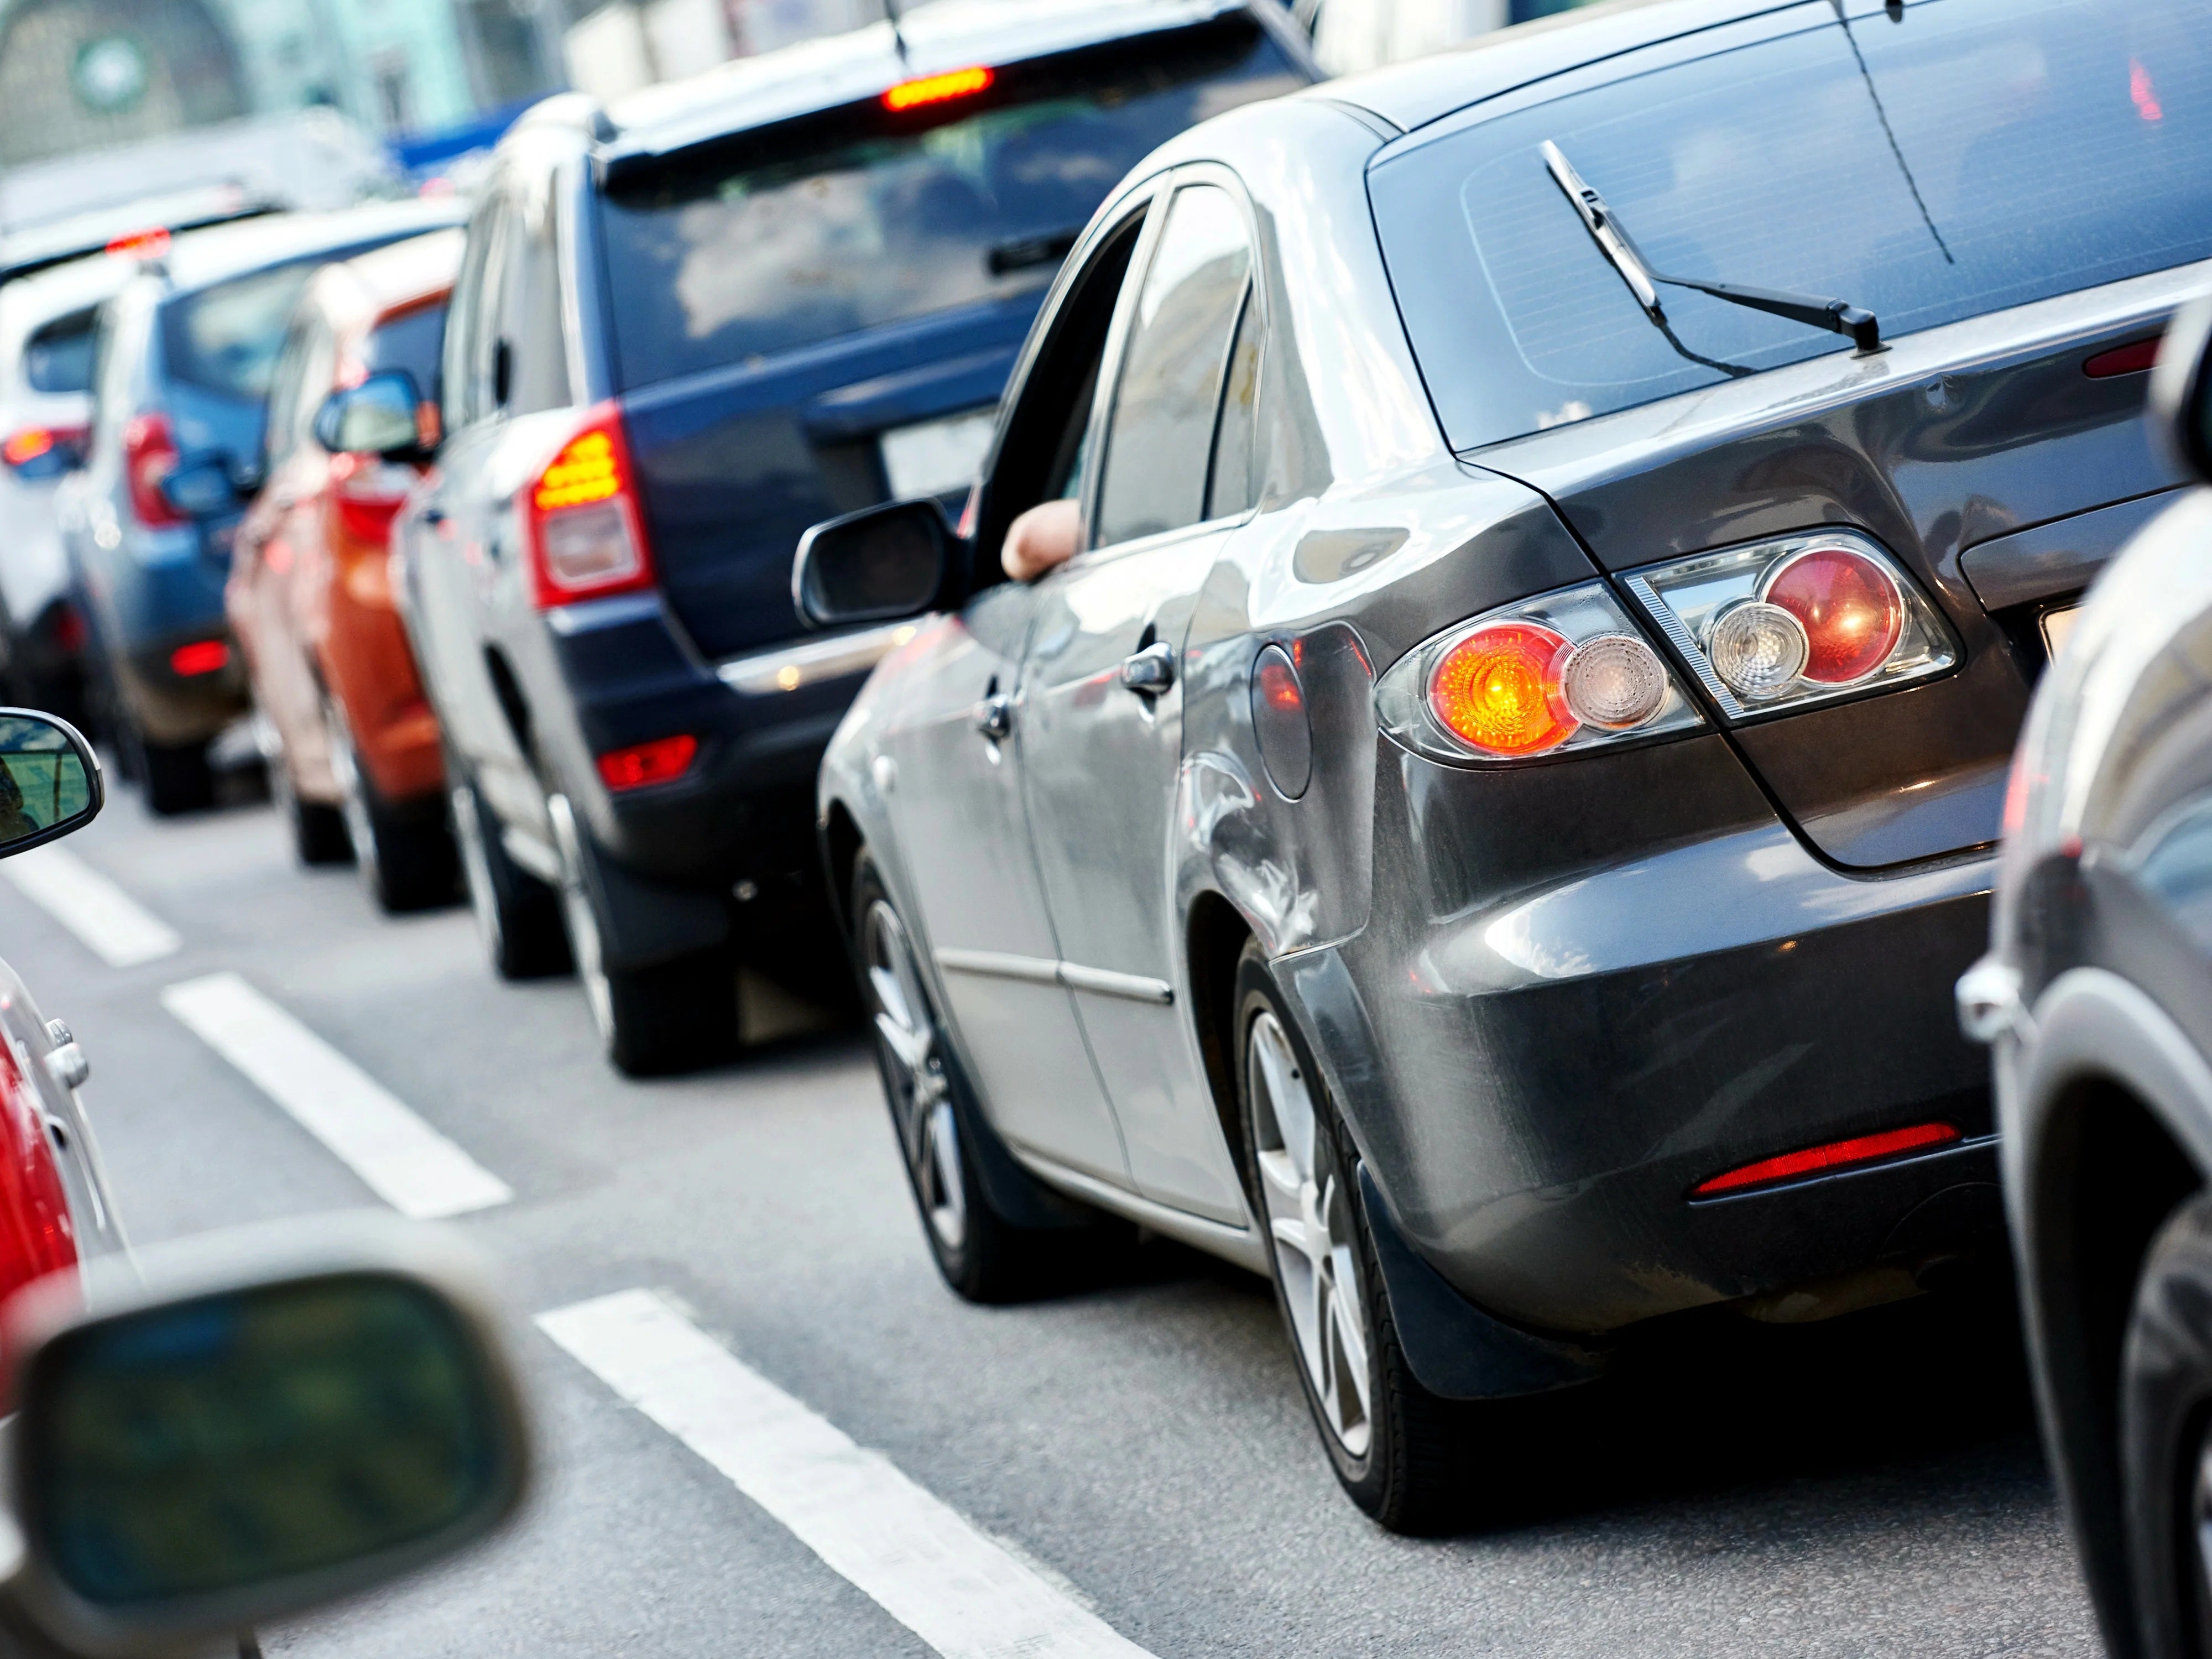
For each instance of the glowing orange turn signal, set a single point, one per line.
(1499, 689)
(939, 88)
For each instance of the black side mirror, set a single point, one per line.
(260, 1427)
(876, 565)
(382, 416)
(2181, 386)
(49, 780)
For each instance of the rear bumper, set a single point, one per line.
(147, 597)
(1538, 1085)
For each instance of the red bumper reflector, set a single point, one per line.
(939, 88)
(201, 657)
(2138, 359)
(648, 763)
(1836, 1155)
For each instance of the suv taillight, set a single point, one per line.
(586, 537)
(149, 455)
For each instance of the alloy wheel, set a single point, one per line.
(1310, 1223)
(2199, 1521)
(921, 1099)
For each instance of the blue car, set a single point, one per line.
(687, 328)
(183, 356)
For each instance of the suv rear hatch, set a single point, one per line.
(2015, 189)
(815, 316)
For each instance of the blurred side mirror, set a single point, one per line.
(2181, 386)
(49, 780)
(202, 487)
(258, 1429)
(382, 416)
(876, 565)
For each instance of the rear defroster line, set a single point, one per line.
(918, 1558)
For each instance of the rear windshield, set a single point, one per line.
(226, 338)
(411, 341)
(863, 217)
(58, 357)
(1969, 155)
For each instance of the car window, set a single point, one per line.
(457, 385)
(58, 357)
(864, 217)
(1159, 439)
(225, 337)
(286, 392)
(1974, 155)
(411, 341)
(1233, 485)
(531, 310)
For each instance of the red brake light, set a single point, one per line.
(586, 538)
(1836, 1155)
(200, 657)
(141, 243)
(149, 455)
(641, 763)
(2138, 358)
(939, 88)
(1499, 689)
(1850, 606)
(27, 445)
(368, 494)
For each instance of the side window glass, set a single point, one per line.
(285, 394)
(1234, 485)
(537, 352)
(318, 372)
(1160, 435)
(456, 378)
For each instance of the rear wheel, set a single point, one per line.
(674, 1016)
(176, 775)
(983, 1256)
(406, 857)
(1399, 1451)
(518, 916)
(2166, 1437)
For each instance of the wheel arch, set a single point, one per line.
(842, 842)
(1215, 933)
(2112, 1131)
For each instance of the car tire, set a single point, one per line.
(1401, 1452)
(518, 916)
(2166, 1437)
(984, 1255)
(676, 1015)
(176, 776)
(406, 860)
(318, 831)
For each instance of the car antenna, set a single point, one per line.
(1837, 316)
(898, 34)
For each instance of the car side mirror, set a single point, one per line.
(383, 415)
(876, 565)
(50, 780)
(2181, 387)
(202, 487)
(258, 1429)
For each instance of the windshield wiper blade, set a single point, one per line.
(1612, 239)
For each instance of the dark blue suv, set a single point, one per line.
(687, 328)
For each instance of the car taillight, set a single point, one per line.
(149, 455)
(369, 494)
(1798, 620)
(1564, 671)
(939, 88)
(657, 762)
(587, 539)
(200, 657)
(42, 452)
(1834, 1155)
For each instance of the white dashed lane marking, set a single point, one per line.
(921, 1561)
(119, 929)
(402, 1159)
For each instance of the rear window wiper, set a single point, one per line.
(1612, 239)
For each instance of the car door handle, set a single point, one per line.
(1150, 671)
(994, 717)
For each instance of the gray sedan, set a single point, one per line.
(1483, 826)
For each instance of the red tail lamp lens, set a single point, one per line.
(1499, 689)
(2139, 358)
(939, 88)
(201, 657)
(1836, 1155)
(149, 455)
(641, 763)
(1851, 609)
(27, 445)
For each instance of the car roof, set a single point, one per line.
(844, 68)
(1411, 94)
(202, 257)
(401, 273)
(58, 290)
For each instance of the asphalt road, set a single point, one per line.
(1869, 1487)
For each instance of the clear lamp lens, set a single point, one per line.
(1757, 649)
(1614, 681)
